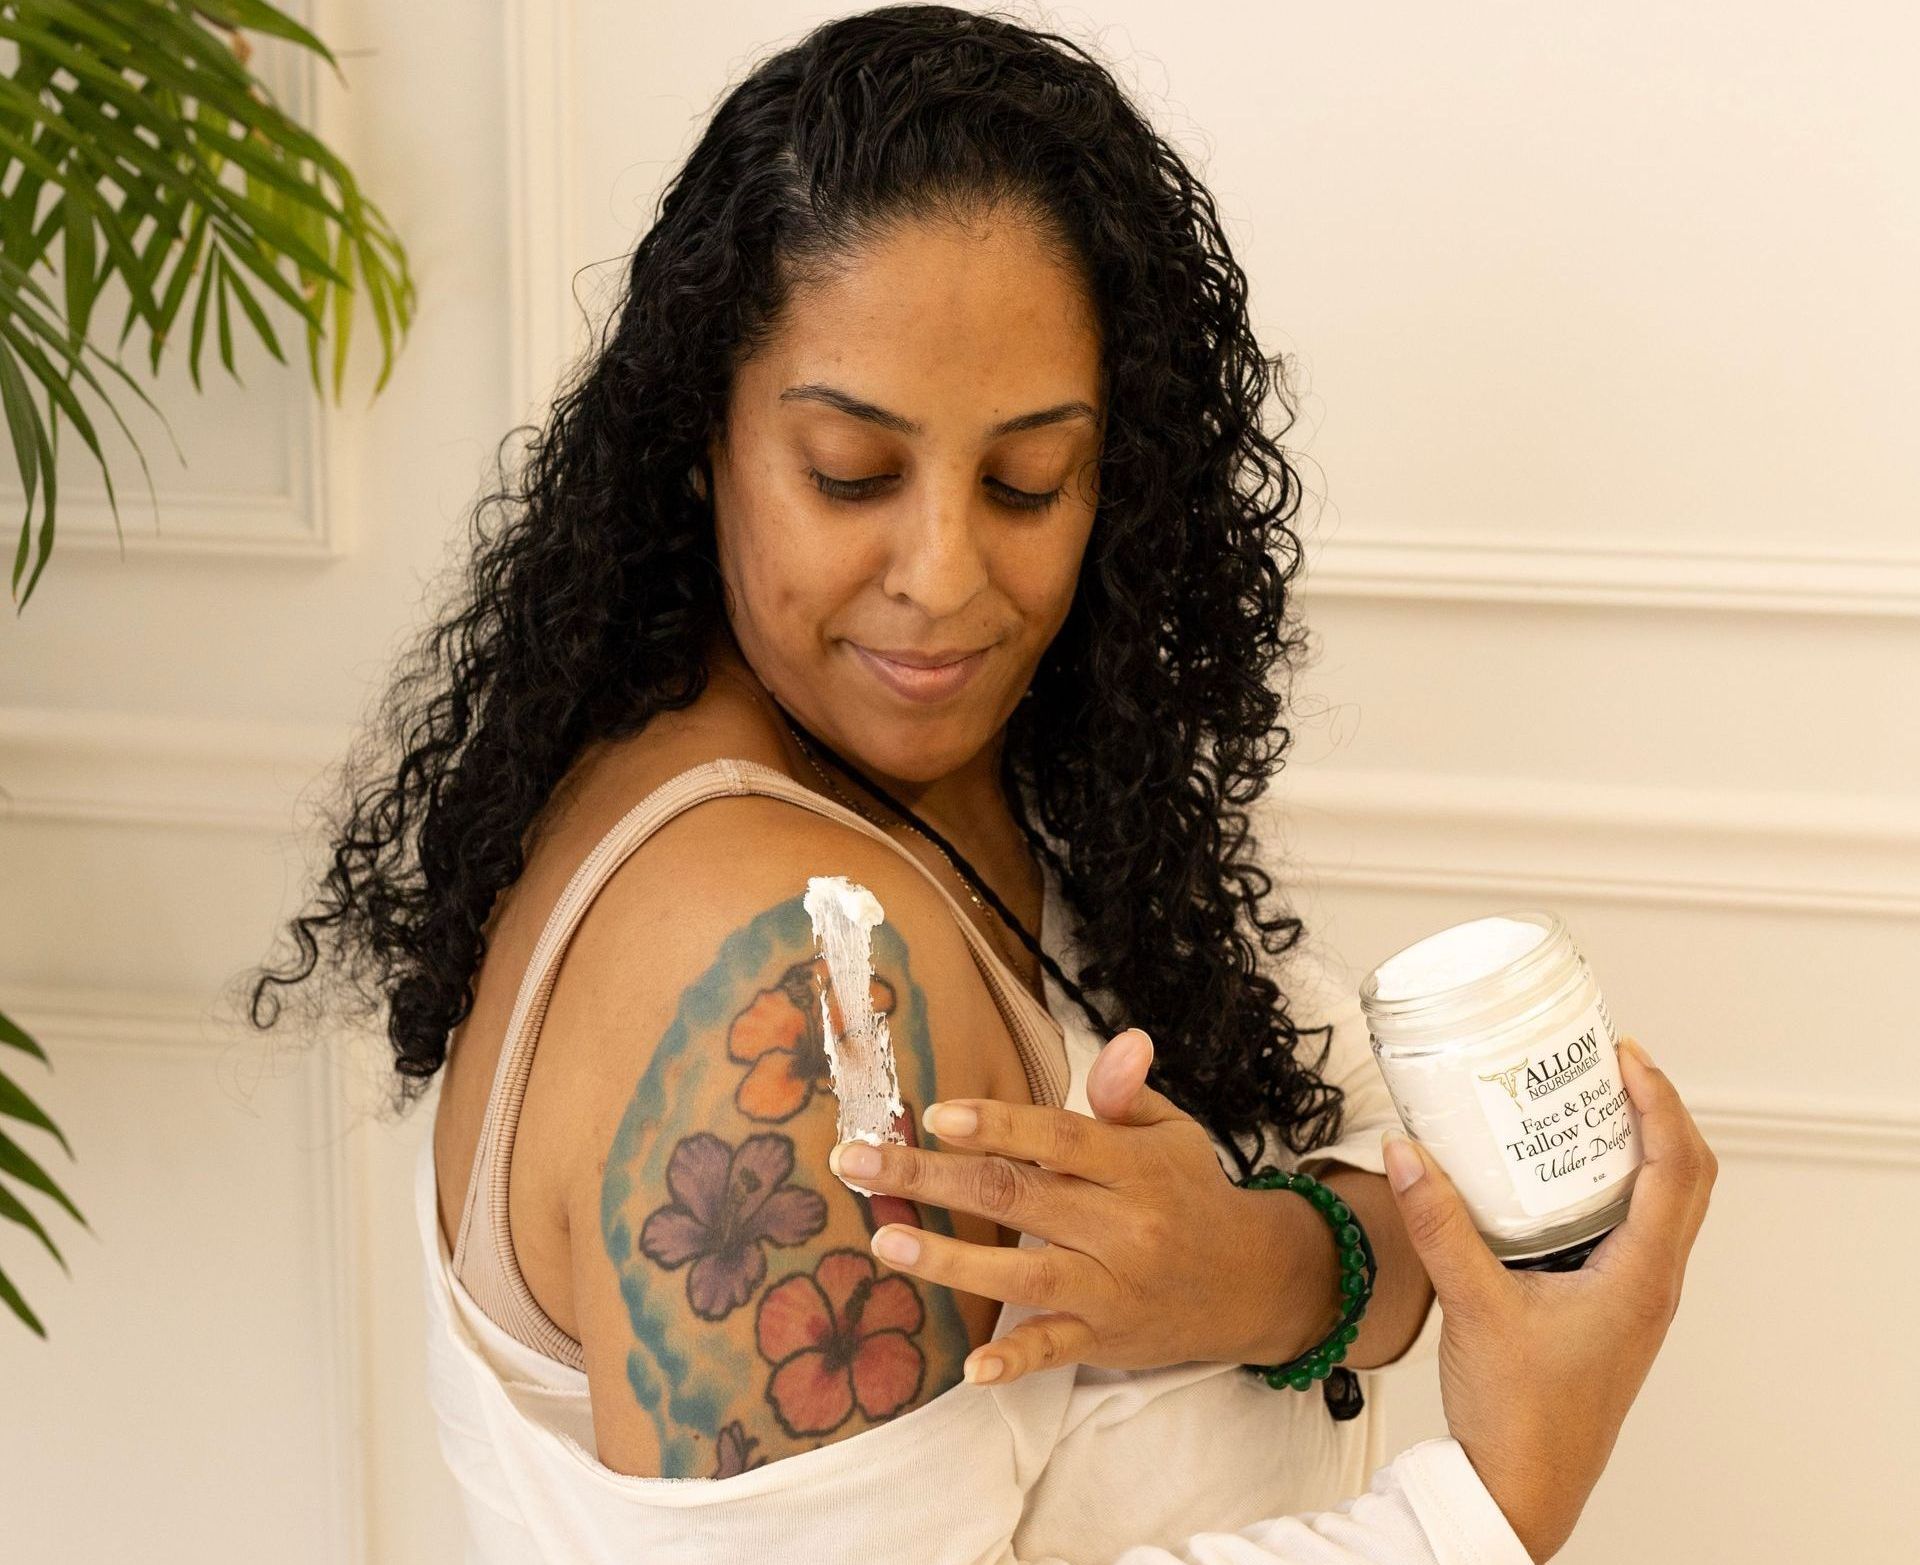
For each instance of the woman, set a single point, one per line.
(916, 523)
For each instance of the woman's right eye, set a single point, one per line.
(844, 488)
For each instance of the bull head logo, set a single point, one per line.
(1507, 1078)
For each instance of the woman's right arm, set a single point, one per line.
(727, 1304)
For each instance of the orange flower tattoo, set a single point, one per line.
(781, 1037)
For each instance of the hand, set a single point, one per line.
(1154, 1256)
(1538, 1369)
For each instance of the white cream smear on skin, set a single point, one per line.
(859, 1052)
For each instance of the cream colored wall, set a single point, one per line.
(1605, 338)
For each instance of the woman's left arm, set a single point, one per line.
(1402, 1294)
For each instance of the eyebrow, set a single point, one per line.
(846, 402)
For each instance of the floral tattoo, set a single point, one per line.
(839, 1339)
(733, 1451)
(759, 1324)
(779, 1035)
(727, 1203)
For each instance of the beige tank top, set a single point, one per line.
(483, 1257)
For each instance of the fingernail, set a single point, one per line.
(951, 1119)
(854, 1157)
(1134, 1048)
(896, 1245)
(1634, 1047)
(1403, 1162)
(979, 1371)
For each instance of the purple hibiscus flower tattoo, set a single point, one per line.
(727, 1203)
(733, 1451)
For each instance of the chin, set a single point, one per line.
(914, 757)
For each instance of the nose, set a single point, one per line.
(937, 558)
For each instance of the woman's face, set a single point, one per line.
(871, 498)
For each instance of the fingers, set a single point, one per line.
(1671, 1143)
(1467, 1276)
(1013, 1194)
(1044, 1276)
(1677, 1172)
(1038, 1342)
(1058, 1139)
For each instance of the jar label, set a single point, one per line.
(1560, 1112)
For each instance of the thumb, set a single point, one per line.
(1465, 1272)
(1117, 1089)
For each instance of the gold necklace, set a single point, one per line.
(807, 751)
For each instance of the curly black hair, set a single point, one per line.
(1154, 717)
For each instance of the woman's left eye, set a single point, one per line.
(866, 488)
(1021, 500)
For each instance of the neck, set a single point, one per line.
(966, 807)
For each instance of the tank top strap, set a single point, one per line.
(483, 1258)
(1036, 1034)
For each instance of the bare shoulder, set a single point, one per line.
(726, 1300)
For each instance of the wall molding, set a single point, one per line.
(1878, 1136)
(144, 769)
(1464, 567)
(1850, 854)
(294, 523)
(1742, 849)
(1877, 1132)
(546, 333)
(541, 199)
(188, 1028)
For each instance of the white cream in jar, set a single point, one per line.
(1497, 1047)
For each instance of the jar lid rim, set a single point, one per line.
(1556, 939)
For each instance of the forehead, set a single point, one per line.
(942, 315)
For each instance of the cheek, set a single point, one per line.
(1041, 574)
(788, 576)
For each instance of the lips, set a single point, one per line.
(919, 682)
(909, 659)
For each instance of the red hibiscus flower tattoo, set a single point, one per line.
(728, 1203)
(838, 1340)
(779, 1034)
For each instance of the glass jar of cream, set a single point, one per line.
(1496, 1045)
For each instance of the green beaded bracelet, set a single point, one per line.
(1357, 1273)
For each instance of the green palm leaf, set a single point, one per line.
(136, 145)
(14, 1038)
(148, 152)
(17, 1105)
(14, 1161)
(10, 1296)
(16, 1211)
